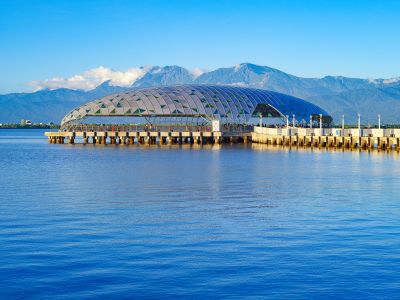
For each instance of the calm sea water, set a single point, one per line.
(79, 222)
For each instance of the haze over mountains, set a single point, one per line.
(336, 94)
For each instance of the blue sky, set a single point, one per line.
(45, 39)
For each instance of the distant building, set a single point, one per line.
(26, 122)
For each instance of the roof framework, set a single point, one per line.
(229, 104)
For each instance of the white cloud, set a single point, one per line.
(90, 79)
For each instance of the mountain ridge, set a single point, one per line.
(336, 94)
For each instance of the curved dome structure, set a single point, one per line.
(229, 104)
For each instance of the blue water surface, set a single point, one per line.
(212, 222)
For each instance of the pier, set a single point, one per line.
(367, 139)
(161, 137)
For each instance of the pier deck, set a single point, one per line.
(146, 137)
(381, 139)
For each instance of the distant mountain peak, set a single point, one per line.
(167, 75)
(104, 84)
(166, 69)
(254, 68)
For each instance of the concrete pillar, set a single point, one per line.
(292, 140)
(371, 142)
(383, 143)
(364, 143)
(315, 141)
(324, 141)
(301, 141)
(355, 142)
(347, 143)
(341, 141)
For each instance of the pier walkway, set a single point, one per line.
(147, 137)
(382, 139)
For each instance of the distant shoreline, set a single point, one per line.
(13, 126)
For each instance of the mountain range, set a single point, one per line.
(336, 94)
